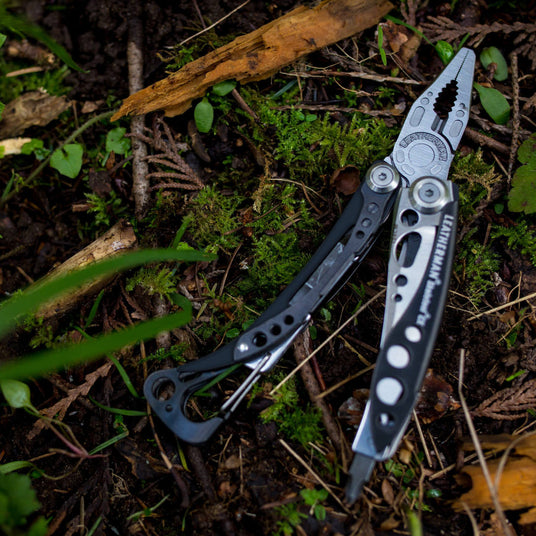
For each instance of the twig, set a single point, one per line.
(207, 28)
(478, 448)
(140, 167)
(333, 335)
(302, 348)
(423, 440)
(504, 306)
(515, 115)
(356, 74)
(314, 475)
(482, 139)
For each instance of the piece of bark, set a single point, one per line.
(115, 241)
(35, 108)
(517, 485)
(259, 54)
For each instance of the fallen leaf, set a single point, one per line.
(435, 398)
(12, 145)
(35, 108)
(517, 484)
(393, 35)
(59, 409)
(346, 180)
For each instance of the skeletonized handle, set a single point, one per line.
(406, 351)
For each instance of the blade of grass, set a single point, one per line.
(49, 360)
(119, 411)
(109, 443)
(36, 295)
(122, 372)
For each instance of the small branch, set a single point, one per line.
(140, 167)
(478, 448)
(515, 116)
(302, 349)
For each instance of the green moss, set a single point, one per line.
(475, 179)
(303, 425)
(477, 264)
(154, 280)
(313, 147)
(215, 223)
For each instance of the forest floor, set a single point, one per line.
(260, 189)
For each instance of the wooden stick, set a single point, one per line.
(114, 242)
(259, 54)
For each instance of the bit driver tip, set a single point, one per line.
(358, 475)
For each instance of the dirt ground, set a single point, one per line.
(248, 478)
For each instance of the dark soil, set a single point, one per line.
(239, 481)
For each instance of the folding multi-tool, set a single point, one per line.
(412, 183)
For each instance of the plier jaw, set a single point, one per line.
(413, 183)
(436, 122)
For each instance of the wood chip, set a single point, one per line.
(259, 54)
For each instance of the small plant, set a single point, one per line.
(520, 237)
(291, 516)
(154, 280)
(302, 425)
(18, 502)
(215, 220)
(522, 197)
(313, 498)
(105, 208)
(204, 110)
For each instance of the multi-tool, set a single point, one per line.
(412, 183)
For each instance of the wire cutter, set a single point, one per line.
(412, 183)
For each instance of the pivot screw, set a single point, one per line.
(429, 195)
(382, 177)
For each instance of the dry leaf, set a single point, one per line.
(346, 180)
(59, 409)
(35, 108)
(435, 398)
(517, 485)
(13, 145)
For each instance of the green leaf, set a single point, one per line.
(35, 295)
(16, 393)
(493, 55)
(495, 103)
(444, 51)
(38, 528)
(3, 38)
(223, 88)
(68, 159)
(2, 106)
(17, 23)
(527, 149)
(380, 45)
(10, 467)
(117, 142)
(320, 512)
(204, 115)
(21, 499)
(50, 360)
(119, 411)
(522, 197)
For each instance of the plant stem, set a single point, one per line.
(37, 171)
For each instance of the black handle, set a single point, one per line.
(405, 354)
(344, 247)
